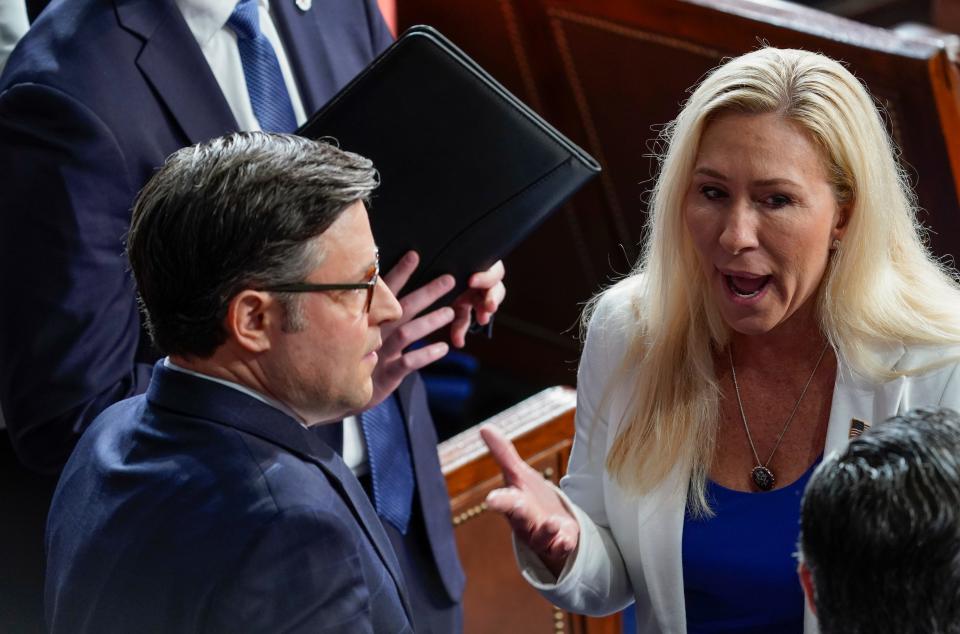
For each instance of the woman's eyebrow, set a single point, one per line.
(764, 182)
(775, 181)
(712, 173)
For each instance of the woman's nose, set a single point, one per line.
(739, 231)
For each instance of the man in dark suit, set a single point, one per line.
(206, 505)
(94, 98)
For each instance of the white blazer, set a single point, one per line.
(630, 546)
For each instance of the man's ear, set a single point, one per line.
(806, 580)
(252, 318)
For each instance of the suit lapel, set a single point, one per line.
(172, 62)
(357, 499)
(205, 399)
(296, 26)
(404, 397)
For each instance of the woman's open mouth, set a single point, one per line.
(746, 287)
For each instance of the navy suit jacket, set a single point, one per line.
(197, 508)
(92, 101)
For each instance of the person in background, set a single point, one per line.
(95, 97)
(784, 289)
(880, 529)
(206, 505)
(13, 24)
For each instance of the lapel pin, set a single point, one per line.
(304, 5)
(857, 427)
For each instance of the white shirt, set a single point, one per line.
(207, 20)
(354, 448)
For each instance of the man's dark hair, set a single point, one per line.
(880, 528)
(236, 212)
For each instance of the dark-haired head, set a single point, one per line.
(880, 529)
(235, 212)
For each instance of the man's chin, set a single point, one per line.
(348, 404)
(363, 396)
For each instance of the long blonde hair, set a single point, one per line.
(883, 284)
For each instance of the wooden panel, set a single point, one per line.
(945, 15)
(543, 422)
(497, 599)
(886, 13)
(912, 78)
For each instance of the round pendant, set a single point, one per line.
(763, 478)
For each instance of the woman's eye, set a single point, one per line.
(712, 193)
(777, 201)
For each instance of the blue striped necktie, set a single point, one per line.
(391, 465)
(268, 93)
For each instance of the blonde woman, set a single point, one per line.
(784, 293)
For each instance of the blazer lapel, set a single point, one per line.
(172, 62)
(856, 397)
(655, 522)
(659, 521)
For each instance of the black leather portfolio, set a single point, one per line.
(466, 169)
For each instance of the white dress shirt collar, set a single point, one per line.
(354, 450)
(263, 398)
(206, 17)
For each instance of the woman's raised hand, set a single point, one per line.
(538, 517)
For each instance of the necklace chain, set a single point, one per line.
(786, 425)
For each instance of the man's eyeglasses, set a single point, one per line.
(307, 287)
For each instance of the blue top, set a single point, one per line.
(739, 570)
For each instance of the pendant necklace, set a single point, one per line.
(761, 474)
